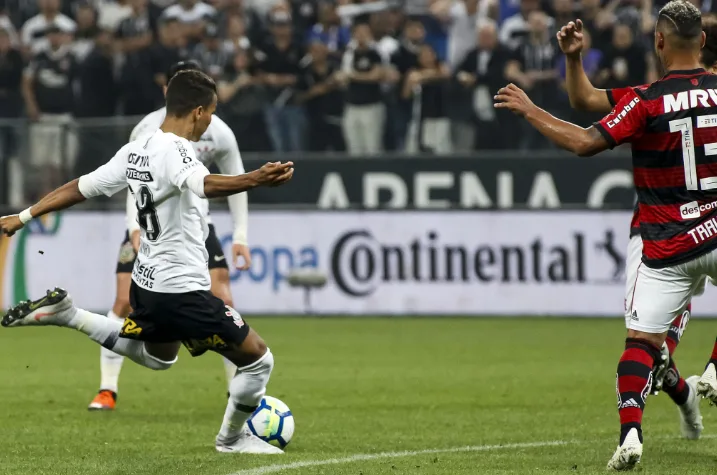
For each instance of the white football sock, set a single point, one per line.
(105, 331)
(245, 392)
(230, 369)
(110, 363)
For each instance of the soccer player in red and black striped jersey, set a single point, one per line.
(584, 96)
(672, 126)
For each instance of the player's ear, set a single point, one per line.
(703, 39)
(659, 40)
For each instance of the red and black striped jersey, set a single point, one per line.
(672, 126)
(614, 96)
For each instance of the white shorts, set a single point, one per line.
(661, 294)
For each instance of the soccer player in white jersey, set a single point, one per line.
(217, 145)
(170, 285)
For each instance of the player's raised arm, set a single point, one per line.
(583, 95)
(106, 180)
(583, 142)
(271, 174)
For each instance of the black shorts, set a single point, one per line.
(217, 260)
(198, 319)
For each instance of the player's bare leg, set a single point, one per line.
(254, 363)
(707, 384)
(111, 362)
(221, 289)
(56, 308)
(683, 392)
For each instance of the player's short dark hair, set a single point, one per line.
(681, 19)
(188, 90)
(709, 52)
(188, 65)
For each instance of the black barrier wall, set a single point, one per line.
(470, 182)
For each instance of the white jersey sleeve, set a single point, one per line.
(181, 163)
(230, 163)
(107, 179)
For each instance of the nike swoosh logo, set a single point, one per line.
(218, 258)
(40, 316)
(36, 305)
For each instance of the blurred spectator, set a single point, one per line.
(483, 72)
(279, 66)
(598, 23)
(537, 73)
(430, 129)
(365, 113)
(97, 98)
(320, 86)
(624, 63)
(86, 20)
(563, 12)
(236, 37)
(252, 24)
(170, 48)
(97, 86)
(7, 26)
(242, 100)
(111, 13)
(591, 57)
(211, 53)
(49, 100)
(461, 17)
(515, 29)
(403, 60)
(329, 30)
(135, 39)
(10, 105)
(34, 30)
(193, 15)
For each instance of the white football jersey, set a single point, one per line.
(217, 146)
(172, 257)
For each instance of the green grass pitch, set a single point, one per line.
(356, 386)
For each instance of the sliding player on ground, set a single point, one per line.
(671, 125)
(216, 146)
(584, 96)
(170, 285)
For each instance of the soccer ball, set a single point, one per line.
(272, 422)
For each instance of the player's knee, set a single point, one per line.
(122, 307)
(156, 364)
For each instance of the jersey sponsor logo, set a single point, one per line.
(144, 275)
(133, 174)
(138, 160)
(621, 115)
(219, 258)
(694, 210)
(689, 100)
(182, 152)
(704, 231)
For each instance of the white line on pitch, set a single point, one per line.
(387, 455)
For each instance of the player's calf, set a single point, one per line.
(254, 365)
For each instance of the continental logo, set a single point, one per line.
(694, 210)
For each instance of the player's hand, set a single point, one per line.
(570, 38)
(241, 251)
(513, 98)
(9, 225)
(134, 239)
(275, 173)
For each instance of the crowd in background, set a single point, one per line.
(314, 75)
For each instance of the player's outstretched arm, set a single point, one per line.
(583, 95)
(583, 142)
(271, 174)
(62, 198)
